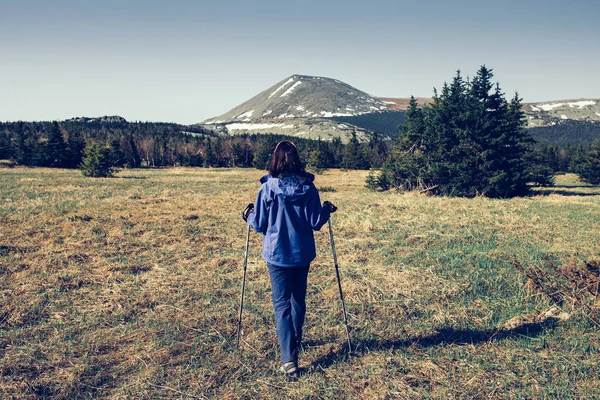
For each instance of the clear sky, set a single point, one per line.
(186, 61)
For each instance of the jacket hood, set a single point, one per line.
(291, 186)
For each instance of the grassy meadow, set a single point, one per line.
(129, 288)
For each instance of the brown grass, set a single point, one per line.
(129, 288)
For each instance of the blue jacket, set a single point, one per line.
(286, 212)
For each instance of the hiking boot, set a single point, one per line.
(289, 368)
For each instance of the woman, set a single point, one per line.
(286, 212)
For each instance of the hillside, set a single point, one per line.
(303, 106)
(552, 112)
(313, 107)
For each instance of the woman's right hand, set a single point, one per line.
(332, 208)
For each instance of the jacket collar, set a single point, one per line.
(306, 175)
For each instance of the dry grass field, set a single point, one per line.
(129, 287)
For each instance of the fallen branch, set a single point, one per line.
(428, 189)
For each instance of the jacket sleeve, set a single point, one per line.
(317, 214)
(259, 218)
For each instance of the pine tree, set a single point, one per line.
(407, 166)
(219, 153)
(23, 150)
(337, 152)
(355, 156)
(56, 148)
(589, 169)
(577, 158)
(469, 141)
(75, 148)
(209, 156)
(5, 147)
(263, 150)
(97, 162)
(320, 157)
(132, 153)
(117, 157)
(377, 151)
(243, 154)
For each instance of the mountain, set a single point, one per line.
(564, 122)
(301, 105)
(105, 119)
(552, 112)
(313, 107)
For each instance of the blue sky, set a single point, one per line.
(186, 61)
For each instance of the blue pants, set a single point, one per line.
(288, 291)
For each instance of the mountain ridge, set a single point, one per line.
(320, 107)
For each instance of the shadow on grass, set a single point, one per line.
(131, 177)
(575, 186)
(546, 192)
(443, 337)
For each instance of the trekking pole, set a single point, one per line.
(245, 217)
(337, 273)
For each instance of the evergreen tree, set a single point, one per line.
(219, 153)
(312, 161)
(589, 169)
(75, 148)
(209, 156)
(132, 153)
(56, 148)
(407, 165)
(469, 141)
(336, 148)
(320, 157)
(36, 148)
(5, 147)
(243, 154)
(97, 162)
(377, 180)
(117, 156)
(23, 151)
(540, 170)
(355, 156)
(326, 157)
(377, 151)
(577, 158)
(263, 150)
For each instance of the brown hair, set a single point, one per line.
(285, 159)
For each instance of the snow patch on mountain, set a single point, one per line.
(290, 90)
(582, 104)
(246, 116)
(281, 87)
(550, 107)
(329, 114)
(245, 126)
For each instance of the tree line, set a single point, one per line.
(124, 144)
(470, 141)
